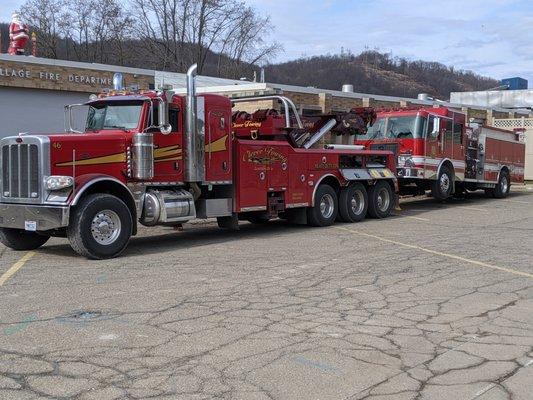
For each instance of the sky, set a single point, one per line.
(490, 37)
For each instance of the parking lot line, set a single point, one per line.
(411, 217)
(518, 201)
(15, 267)
(438, 253)
(472, 208)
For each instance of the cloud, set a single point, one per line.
(7, 8)
(490, 37)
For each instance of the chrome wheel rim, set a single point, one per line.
(357, 203)
(383, 200)
(106, 227)
(504, 184)
(444, 183)
(327, 206)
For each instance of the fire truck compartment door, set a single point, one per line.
(352, 174)
(359, 174)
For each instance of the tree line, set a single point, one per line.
(377, 72)
(225, 37)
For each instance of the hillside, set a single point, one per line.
(377, 73)
(369, 72)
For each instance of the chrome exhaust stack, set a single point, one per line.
(194, 133)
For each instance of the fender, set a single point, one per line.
(442, 163)
(500, 172)
(317, 184)
(454, 178)
(84, 182)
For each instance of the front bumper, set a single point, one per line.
(410, 172)
(33, 217)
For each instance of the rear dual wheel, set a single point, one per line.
(380, 200)
(353, 203)
(326, 207)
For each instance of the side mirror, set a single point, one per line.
(164, 127)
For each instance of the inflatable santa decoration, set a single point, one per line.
(18, 35)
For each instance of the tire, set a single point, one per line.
(19, 240)
(442, 188)
(380, 200)
(101, 227)
(326, 207)
(353, 203)
(504, 185)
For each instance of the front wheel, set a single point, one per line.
(380, 200)
(441, 189)
(353, 203)
(325, 209)
(19, 240)
(101, 227)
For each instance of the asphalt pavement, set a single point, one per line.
(435, 302)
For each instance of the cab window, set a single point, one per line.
(448, 130)
(458, 133)
(431, 132)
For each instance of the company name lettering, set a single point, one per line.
(54, 77)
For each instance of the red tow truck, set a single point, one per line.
(158, 158)
(438, 150)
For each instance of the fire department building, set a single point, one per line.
(34, 91)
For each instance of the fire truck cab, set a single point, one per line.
(160, 158)
(438, 150)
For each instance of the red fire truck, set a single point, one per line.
(157, 158)
(438, 150)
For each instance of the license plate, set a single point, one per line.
(30, 225)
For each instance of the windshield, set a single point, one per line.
(405, 127)
(113, 116)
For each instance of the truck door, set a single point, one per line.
(459, 157)
(168, 150)
(439, 143)
(218, 146)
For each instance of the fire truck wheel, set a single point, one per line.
(17, 239)
(380, 200)
(101, 227)
(326, 207)
(441, 189)
(353, 203)
(502, 188)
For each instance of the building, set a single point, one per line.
(34, 91)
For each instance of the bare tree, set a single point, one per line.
(46, 17)
(185, 31)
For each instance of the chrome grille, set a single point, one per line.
(20, 171)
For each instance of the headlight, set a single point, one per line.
(405, 160)
(58, 182)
